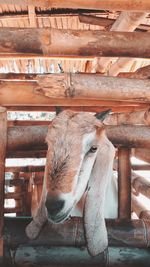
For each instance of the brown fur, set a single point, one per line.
(64, 147)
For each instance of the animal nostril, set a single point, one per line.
(54, 206)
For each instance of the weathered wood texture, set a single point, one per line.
(142, 153)
(107, 22)
(115, 106)
(68, 89)
(76, 257)
(137, 206)
(3, 143)
(126, 21)
(141, 167)
(141, 73)
(33, 137)
(120, 5)
(132, 118)
(29, 169)
(141, 185)
(71, 233)
(124, 183)
(74, 43)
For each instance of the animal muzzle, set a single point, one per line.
(59, 206)
(54, 205)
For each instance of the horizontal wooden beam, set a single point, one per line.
(33, 137)
(68, 89)
(141, 167)
(132, 118)
(120, 233)
(29, 168)
(74, 43)
(129, 5)
(26, 154)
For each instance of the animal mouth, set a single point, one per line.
(60, 217)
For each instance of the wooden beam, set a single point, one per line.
(107, 22)
(126, 21)
(142, 153)
(129, 136)
(26, 154)
(129, 5)
(74, 43)
(120, 233)
(3, 144)
(53, 256)
(73, 89)
(94, 20)
(25, 168)
(141, 73)
(132, 118)
(137, 205)
(141, 167)
(141, 185)
(33, 137)
(124, 183)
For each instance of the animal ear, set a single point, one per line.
(58, 110)
(102, 115)
(94, 221)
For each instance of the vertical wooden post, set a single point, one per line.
(124, 183)
(3, 143)
(18, 189)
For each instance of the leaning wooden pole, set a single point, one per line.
(129, 5)
(74, 43)
(3, 143)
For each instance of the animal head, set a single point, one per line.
(74, 142)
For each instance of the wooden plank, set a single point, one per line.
(74, 43)
(129, 5)
(3, 143)
(124, 183)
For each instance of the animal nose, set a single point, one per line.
(54, 206)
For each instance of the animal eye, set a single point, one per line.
(93, 149)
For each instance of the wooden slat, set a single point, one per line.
(129, 5)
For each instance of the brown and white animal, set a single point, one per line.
(79, 159)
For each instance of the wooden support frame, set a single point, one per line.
(3, 144)
(68, 89)
(46, 41)
(71, 233)
(128, 5)
(24, 138)
(124, 183)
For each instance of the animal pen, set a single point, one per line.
(80, 57)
